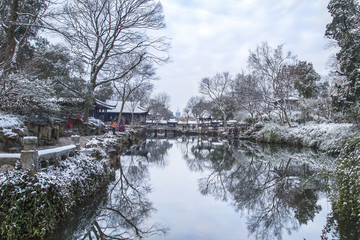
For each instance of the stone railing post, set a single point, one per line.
(29, 156)
(76, 141)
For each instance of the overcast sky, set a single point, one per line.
(211, 36)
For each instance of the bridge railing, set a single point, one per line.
(33, 159)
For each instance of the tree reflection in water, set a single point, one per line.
(157, 150)
(278, 189)
(122, 212)
(128, 208)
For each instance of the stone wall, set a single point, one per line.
(46, 134)
(11, 140)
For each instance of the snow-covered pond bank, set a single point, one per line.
(33, 203)
(325, 137)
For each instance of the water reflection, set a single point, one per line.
(277, 188)
(157, 150)
(122, 211)
(128, 206)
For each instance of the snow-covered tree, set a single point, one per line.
(28, 96)
(247, 94)
(140, 97)
(159, 106)
(111, 37)
(197, 105)
(19, 22)
(217, 89)
(128, 87)
(344, 30)
(274, 69)
(306, 80)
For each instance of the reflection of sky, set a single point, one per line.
(190, 215)
(313, 229)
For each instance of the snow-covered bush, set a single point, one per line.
(32, 204)
(345, 216)
(95, 122)
(259, 125)
(26, 95)
(326, 137)
(10, 121)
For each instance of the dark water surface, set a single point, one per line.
(203, 189)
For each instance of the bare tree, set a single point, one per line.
(140, 98)
(129, 86)
(197, 105)
(217, 89)
(159, 106)
(273, 68)
(247, 94)
(186, 115)
(111, 37)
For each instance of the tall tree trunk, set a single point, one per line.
(87, 106)
(89, 101)
(225, 120)
(286, 117)
(10, 37)
(120, 113)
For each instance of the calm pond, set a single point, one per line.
(191, 188)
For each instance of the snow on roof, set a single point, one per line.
(104, 104)
(129, 107)
(172, 121)
(205, 114)
(9, 121)
(95, 122)
(182, 122)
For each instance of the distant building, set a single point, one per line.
(109, 110)
(205, 118)
(178, 114)
(172, 123)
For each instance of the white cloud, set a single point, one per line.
(210, 36)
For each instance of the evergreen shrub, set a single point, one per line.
(344, 220)
(32, 204)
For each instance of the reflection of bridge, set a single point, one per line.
(165, 131)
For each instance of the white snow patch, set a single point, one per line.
(9, 133)
(56, 150)
(10, 121)
(10, 155)
(326, 136)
